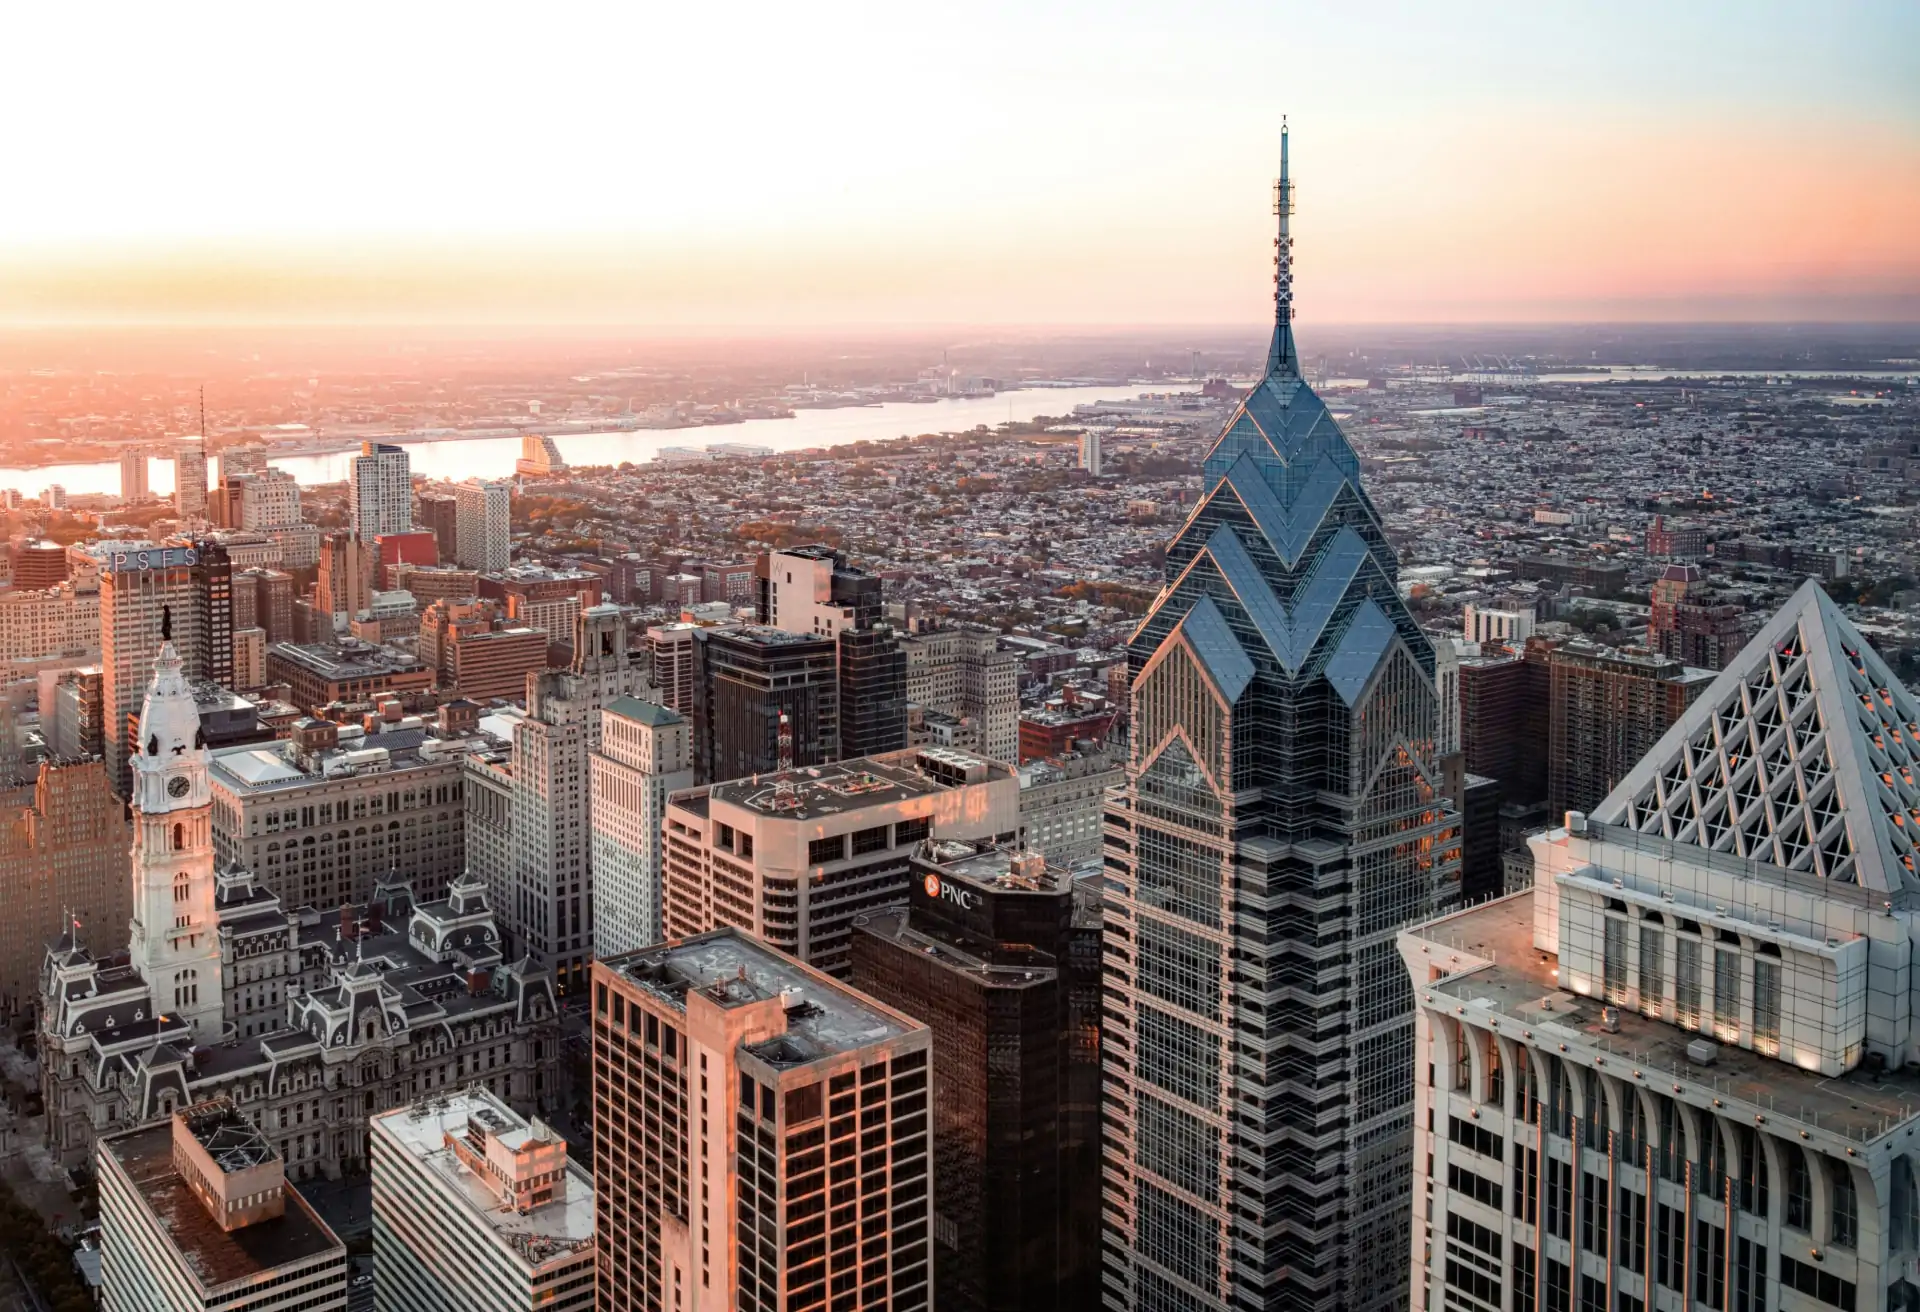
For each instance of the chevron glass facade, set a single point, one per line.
(1283, 820)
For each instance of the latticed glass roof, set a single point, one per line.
(1803, 753)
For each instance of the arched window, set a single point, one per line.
(1905, 1206)
(179, 838)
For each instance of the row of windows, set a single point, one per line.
(357, 808)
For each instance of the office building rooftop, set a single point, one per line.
(812, 792)
(730, 969)
(348, 660)
(217, 1257)
(488, 1155)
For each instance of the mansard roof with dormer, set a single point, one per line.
(107, 1010)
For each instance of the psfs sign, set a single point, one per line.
(154, 558)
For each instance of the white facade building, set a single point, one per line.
(799, 593)
(195, 1214)
(671, 654)
(549, 911)
(963, 673)
(1509, 628)
(646, 752)
(380, 491)
(794, 856)
(477, 1207)
(1063, 805)
(1446, 687)
(1090, 455)
(482, 532)
(176, 939)
(1678, 1072)
(134, 484)
(190, 478)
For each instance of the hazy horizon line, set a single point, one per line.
(1907, 321)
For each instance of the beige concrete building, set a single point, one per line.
(487, 788)
(269, 499)
(483, 527)
(762, 1137)
(962, 672)
(63, 851)
(49, 622)
(249, 658)
(1063, 804)
(549, 908)
(146, 595)
(793, 857)
(1678, 1071)
(322, 816)
(431, 583)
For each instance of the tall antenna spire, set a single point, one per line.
(1281, 357)
(203, 386)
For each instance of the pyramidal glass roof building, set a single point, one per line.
(1283, 819)
(1683, 1070)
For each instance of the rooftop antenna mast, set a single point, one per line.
(1282, 355)
(203, 414)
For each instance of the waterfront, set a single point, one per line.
(493, 457)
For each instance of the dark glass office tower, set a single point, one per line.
(746, 680)
(213, 607)
(1283, 818)
(813, 591)
(873, 692)
(996, 953)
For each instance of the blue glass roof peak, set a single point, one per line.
(1225, 660)
(1276, 553)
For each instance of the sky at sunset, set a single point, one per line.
(1036, 163)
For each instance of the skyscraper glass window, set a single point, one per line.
(1283, 819)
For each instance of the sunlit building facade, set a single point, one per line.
(1678, 1071)
(1283, 819)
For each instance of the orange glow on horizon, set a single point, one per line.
(1044, 165)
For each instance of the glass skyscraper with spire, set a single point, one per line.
(1284, 817)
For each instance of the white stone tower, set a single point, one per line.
(175, 940)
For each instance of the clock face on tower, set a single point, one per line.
(177, 786)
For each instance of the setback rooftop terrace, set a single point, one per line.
(1512, 987)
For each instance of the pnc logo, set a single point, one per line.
(949, 893)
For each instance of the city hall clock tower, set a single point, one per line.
(175, 941)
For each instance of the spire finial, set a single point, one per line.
(1280, 356)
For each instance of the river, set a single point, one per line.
(493, 457)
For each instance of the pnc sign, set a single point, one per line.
(941, 891)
